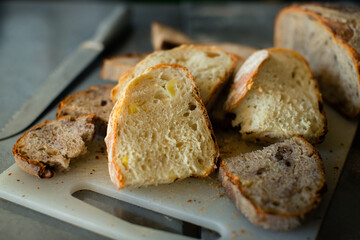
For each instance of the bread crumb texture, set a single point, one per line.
(279, 98)
(159, 130)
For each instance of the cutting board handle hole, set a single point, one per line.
(144, 217)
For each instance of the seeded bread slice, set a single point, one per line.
(210, 66)
(51, 145)
(95, 99)
(328, 36)
(113, 68)
(275, 187)
(159, 130)
(274, 97)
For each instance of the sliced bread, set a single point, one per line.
(159, 130)
(51, 145)
(274, 97)
(328, 36)
(95, 99)
(210, 67)
(113, 68)
(164, 37)
(275, 187)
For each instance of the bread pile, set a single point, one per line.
(159, 130)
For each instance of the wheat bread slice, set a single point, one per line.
(95, 99)
(210, 66)
(328, 36)
(51, 145)
(159, 130)
(113, 68)
(275, 96)
(275, 188)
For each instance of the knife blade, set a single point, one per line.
(66, 73)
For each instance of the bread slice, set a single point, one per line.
(51, 145)
(210, 67)
(328, 36)
(95, 99)
(164, 37)
(275, 97)
(275, 187)
(159, 130)
(113, 68)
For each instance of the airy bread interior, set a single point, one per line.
(283, 101)
(330, 60)
(159, 130)
(210, 67)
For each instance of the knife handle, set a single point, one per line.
(112, 25)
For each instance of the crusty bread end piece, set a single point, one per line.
(211, 67)
(159, 130)
(328, 36)
(276, 187)
(51, 145)
(95, 99)
(275, 96)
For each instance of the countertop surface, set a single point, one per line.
(36, 36)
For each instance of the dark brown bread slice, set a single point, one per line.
(95, 99)
(49, 146)
(277, 186)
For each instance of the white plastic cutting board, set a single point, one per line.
(198, 201)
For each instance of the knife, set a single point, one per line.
(66, 73)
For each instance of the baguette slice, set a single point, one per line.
(275, 187)
(159, 130)
(51, 145)
(328, 36)
(275, 97)
(164, 37)
(95, 99)
(113, 68)
(210, 67)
